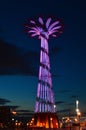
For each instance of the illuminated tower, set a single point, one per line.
(78, 113)
(45, 109)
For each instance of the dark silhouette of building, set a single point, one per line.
(5, 116)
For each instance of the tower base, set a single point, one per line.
(45, 120)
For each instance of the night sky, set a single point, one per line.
(19, 53)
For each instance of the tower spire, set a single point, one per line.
(45, 102)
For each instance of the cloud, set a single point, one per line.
(13, 62)
(13, 107)
(8, 58)
(59, 102)
(4, 101)
(74, 96)
(70, 104)
(29, 63)
(64, 110)
(25, 111)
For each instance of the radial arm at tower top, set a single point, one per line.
(43, 29)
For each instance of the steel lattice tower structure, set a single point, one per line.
(45, 97)
(45, 103)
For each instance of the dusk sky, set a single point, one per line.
(20, 54)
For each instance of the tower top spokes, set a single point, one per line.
(43, 29)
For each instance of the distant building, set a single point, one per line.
(5, 116)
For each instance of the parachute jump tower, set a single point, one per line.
(45, 109)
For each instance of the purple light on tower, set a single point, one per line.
(45, 97)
